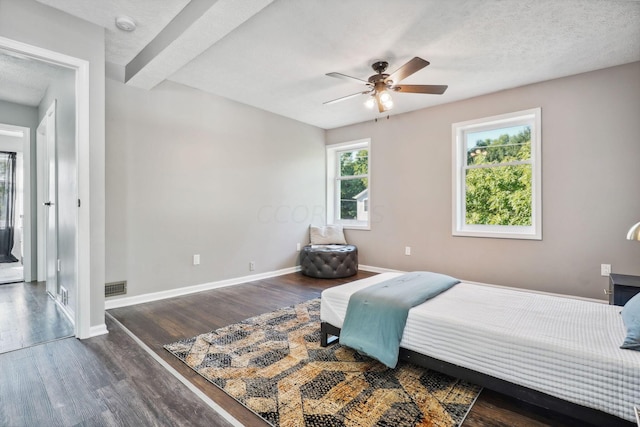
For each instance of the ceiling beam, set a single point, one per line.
(197, 27)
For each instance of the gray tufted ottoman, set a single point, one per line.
(329, 262)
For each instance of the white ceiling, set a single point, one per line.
(274, 54)
(24, 80)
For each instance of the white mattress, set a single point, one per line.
(564, 347)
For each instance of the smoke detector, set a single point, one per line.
(125, 23)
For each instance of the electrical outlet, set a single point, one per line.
(407, 250)
(64, 295)
(196, 259)
(605, 269)
(298, 247)
(252, 265)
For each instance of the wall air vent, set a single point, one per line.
(115, 288)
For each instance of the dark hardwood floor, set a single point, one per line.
(103, 381)
(28, 316)
(166, 321)
(163, 322)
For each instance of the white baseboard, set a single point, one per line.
(389, 270)
(373, 269)
(97, 330)
(67, 311)
(156, 296)
(533, 291)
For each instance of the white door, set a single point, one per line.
(50, 202)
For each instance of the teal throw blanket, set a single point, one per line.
(376, 315)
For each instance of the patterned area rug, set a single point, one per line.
(274, 365)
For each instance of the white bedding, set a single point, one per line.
(564, 347)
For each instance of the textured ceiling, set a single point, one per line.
(24, 80)
(151, 16)
(274, 54)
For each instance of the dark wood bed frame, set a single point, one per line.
(588, 415)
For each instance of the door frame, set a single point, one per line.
(82, 145)
(40, 268)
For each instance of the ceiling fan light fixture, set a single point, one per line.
(370, 103)
(384, 101)
(385, 97)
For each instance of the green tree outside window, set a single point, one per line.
(353, 164)
(499, 180)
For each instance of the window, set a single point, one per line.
(496, 183)
(348, 191)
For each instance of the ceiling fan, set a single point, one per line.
(379, 85)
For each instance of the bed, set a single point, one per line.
(556, 352)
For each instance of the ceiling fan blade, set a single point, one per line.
(414, 65)
(432, 89)
(344, 98)
(345, 77)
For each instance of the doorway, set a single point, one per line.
(28, 315)
(35, 308)
(11, 270)
(12, 178)
(76, 252)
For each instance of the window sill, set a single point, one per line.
(353, 226)
(496, 235)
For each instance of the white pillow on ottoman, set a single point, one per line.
(328, 235)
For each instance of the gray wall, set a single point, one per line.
(11, 144)
(191, 173)
(23, 115)
(62, 90)
(591, 177)
(19, 115)
(30, 22)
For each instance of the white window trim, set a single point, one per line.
(530, 117)
(332, 173)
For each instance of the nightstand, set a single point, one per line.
(622, 288)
